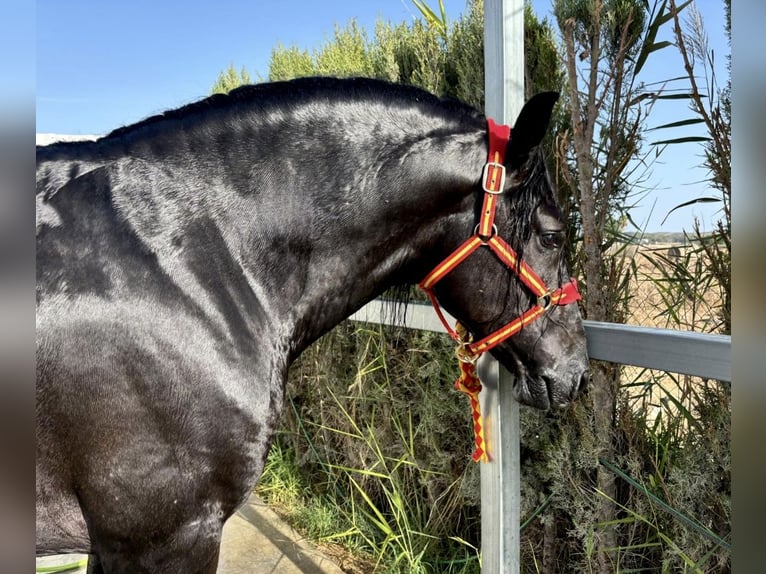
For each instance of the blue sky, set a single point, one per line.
(104, 64)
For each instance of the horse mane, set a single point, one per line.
(289, 94)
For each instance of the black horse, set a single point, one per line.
(185, 261)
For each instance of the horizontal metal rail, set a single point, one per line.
(684, 352)
(700, 354)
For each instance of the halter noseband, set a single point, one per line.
(485, 234)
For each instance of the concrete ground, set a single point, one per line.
(255, 541)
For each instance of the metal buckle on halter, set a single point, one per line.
(487, 180)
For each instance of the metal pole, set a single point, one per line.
(500, 479)
(503, 59)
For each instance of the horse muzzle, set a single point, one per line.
(550, 392)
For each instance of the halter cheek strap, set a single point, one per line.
(485, 235)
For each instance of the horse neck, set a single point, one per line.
(327, 241)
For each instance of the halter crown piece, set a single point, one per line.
(485, 235)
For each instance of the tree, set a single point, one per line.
(230, 79)
(287, 63)
(606, 43)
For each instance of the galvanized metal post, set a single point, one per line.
(503, 59)
(500, 479)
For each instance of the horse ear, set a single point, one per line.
(530, 127)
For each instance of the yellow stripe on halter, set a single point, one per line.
(510, 329)
(451, 262)
(532, 280)
(488, 216)
(529, 277)
(507, 255)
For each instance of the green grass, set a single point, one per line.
(62, 567)
(363, 482)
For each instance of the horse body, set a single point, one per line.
(184, 262)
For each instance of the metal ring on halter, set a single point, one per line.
(545, 301)
(464, 339)
(464, 353)
(484, 239)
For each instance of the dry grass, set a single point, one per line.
(664, 293)
(669, 290)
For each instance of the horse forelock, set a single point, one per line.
(534, 189)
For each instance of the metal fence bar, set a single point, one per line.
(417, 316)
(703, 355)
(685, 352)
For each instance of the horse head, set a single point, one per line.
(516, 298)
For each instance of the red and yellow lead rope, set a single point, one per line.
(468, 382)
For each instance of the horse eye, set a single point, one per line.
(552, 239)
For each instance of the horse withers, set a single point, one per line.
(185, 261)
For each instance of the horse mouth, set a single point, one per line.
(539, 391)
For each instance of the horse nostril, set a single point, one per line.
(581, 385)
(584, 380)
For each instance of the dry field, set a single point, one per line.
(668, 290)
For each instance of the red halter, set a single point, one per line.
(485, 234)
